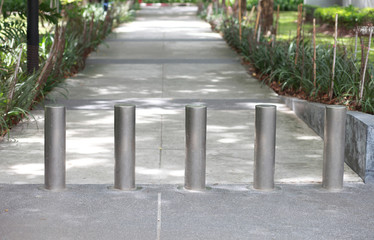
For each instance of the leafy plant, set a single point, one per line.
(61, 53)
(275, 64)
(284, 5)
(348, 16)
(19, 8)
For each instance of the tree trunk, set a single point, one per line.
(32, 36)
(235, 8)
(267, 16)
(244, 7)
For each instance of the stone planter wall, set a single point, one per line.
(359, 146)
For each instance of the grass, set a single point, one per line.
(276, 65)
(288, 26)
(287, 30)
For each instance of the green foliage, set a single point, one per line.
(309, 10)
(19, 89)
(169, 1)
(14, 7)
(284, 5)
(48, 14)
(287, 5)
(277, 65)
(19, 8)
(12, 33)
(348, 16)
(65, 2)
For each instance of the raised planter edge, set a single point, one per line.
(359, 143)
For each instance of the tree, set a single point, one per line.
(244, 7)
(267, 16)
(32, 36)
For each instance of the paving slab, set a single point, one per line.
(292, 211)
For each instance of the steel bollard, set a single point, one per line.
(195, 163)
(264, 159)
(334, 144)
(55, 147)
(124, 139)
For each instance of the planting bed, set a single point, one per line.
(359, 144)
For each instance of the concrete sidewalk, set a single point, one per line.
(164, 60)
(165, 212)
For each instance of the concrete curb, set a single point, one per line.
(359, 146)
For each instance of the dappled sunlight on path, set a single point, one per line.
(164, 60)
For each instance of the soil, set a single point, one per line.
(342, 31)
(351, 104)
(298, 93)
(330, 30)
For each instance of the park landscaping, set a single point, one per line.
(288, 59)
(68, 32)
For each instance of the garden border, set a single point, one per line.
(359, 143)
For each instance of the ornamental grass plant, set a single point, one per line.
(62, 53)
(275, 65)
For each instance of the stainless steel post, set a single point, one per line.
(333, 155)
(55, 147)
(196, 120)
(124, 138)
(264, 159)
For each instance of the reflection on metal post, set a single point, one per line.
(333, 155)
(265, 132)
(195, 164)
(55, 147)
(124, 138)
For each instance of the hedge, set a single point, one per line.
(348, 16)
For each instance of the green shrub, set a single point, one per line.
(287, 5)
(169, 1)
(277, 65)
(284, 5)
(309, 10)
(19, 90)
(348, 16)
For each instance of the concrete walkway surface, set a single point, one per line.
(164, 60)
(165, 212)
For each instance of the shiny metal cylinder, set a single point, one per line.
(55, 147)
(124, 144)
(264, 159)
(333, 154)
(195, 163)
